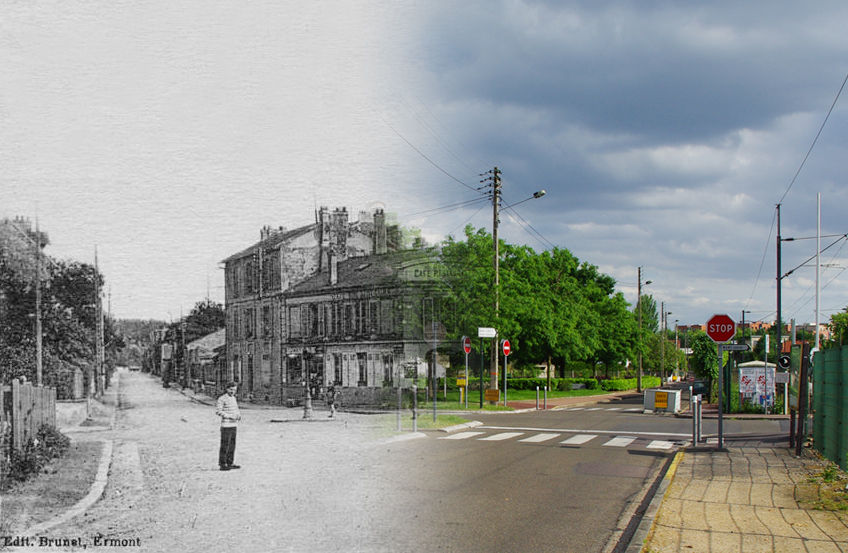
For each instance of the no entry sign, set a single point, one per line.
(721, 328)
(466, 344)
(506, 348)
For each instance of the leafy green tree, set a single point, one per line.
(551, 306)
(650, 314)
(838, 328)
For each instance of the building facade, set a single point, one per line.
(334, 302)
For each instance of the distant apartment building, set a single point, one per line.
(333, 302)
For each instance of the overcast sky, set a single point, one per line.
(167, 134)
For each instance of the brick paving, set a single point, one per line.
(745, 499)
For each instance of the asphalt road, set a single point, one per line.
(564, 480)
(316, 486)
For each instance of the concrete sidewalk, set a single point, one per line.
(747, 497)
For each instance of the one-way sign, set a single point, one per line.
(735, 347)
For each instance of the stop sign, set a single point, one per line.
(721, 328)
(506, 347)
(466, 344)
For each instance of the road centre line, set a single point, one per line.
(586, 431)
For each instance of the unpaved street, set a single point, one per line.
(303, 486)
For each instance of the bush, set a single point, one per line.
(623, 384)
(47, 445)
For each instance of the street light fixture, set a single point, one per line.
(639, 308)
(663, 331)
(496, 206)
(744, 341)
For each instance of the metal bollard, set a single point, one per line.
(693, 407)
(415, 408)
(546, 398)
(537, 398)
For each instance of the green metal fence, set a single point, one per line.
(830, 404)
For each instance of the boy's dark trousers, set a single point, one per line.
(228, 446)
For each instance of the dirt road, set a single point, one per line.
(303, 486)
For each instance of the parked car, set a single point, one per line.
(699, 387)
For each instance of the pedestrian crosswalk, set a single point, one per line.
(622, 409)
(579, 439)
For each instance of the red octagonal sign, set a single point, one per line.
(721, 328)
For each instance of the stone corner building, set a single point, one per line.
(334, 302)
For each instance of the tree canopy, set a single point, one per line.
(551, 306)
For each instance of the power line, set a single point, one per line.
(815, 139)
(433, 163)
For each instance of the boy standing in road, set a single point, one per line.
(227, 409)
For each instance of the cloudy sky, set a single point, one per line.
(665, 133)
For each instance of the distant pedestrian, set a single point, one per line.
(331, 399)
(227, 409)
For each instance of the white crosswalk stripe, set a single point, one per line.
(579, 439)
(634, 409)
(613, 409)
(576, 409)
(621, 441)
(575, 440)
(501, 436)
(540, 438)
(595, 409)
(462, 436)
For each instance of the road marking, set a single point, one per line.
(461, 436)
(501, 436)
(621, 441)
(539, 438)
(619, 432)
(595, 409)
(660, 444)
(575, 409)
(579, 439)
(635, 409)
(613, 409)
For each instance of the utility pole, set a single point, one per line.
(779, 281)
(496, 205)
(662, 342)
(639, 307)
(38, 344)
(98, 305)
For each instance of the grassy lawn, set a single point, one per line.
(451, 403)
(387, 424)
(59, 486)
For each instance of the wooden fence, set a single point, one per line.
(23, 409)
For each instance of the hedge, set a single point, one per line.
(563, 384)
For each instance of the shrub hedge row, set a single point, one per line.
(48, 444)
(565, 384)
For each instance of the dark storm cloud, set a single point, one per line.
(663, 132)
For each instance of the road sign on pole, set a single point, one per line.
(506, 350)
(735, 347)
(721, 328)
(466, 344)
(486, 332)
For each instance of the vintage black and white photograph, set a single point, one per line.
(371, 276)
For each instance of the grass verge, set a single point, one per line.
(62, 483)
(387, 424)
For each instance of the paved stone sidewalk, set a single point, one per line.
(745, 499)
